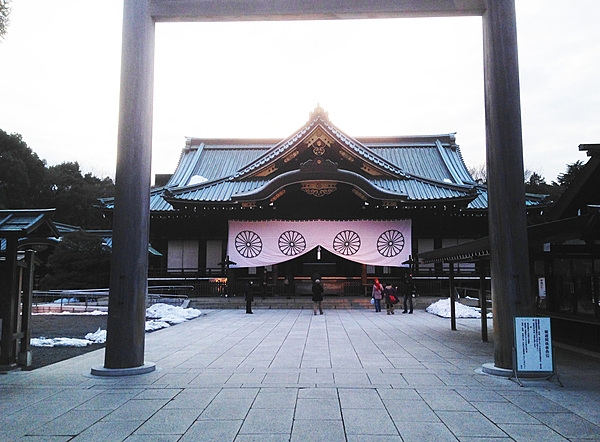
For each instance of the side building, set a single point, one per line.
(317, 202)
(565, 259)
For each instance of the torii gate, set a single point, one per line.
(508, 239)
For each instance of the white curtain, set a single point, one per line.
(262, 243)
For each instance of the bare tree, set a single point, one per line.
(479, 173)
(4, 13)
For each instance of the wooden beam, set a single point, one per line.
(270, 10)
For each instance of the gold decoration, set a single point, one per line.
(346, 155)
(370, 170)
(277, 196)
(319, 188)
(268, 171)
(319, 112)
(359, 194)
(291, 156)
(318, 140)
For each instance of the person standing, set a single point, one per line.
(391, 296)
(317, 297)
(249, 296)
(407, 287)
(377, 295)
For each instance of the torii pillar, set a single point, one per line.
(125, 339)
(508, 239)
(509, 253)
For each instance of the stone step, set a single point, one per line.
(299, 302)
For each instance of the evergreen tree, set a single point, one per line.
(26, 183)
(536, 183)
(566, 179)
(74, 195)
(22, 173)
(81, 260)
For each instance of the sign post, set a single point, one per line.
(533, 353)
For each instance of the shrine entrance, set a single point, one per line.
(508, 237)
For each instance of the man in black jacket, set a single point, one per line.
(407, 289)
(249, 296)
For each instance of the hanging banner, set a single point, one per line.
(263, 243)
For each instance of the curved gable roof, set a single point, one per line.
(422, 168)
(229, 170)
(318, 126)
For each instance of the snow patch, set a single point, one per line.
(442, 308)
(158, 316)
(93, 313)
(98, 337)
(59, 342)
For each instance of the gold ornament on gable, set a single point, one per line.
(318, 141)
(319, 188)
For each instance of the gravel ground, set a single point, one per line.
(63, 326)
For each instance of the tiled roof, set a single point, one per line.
(214, 159)
(220, 191)
(108, 240)
(424, 168)
(19, 225)
(434, 161)
(23, 222)
(413, 168)
(423, 191)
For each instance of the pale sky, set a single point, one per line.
(60, 73)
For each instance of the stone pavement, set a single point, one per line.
(286, 375)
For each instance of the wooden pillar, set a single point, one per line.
(24, 357)
(9, 306)
(452, 297)
(507, 223)
(364, 278)
(128, 280)
(481, 268)
(595, 282)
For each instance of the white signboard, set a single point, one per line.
(542, 288)
(533, 342)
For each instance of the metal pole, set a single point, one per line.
(508, 235)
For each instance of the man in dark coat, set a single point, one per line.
(249, 297)
(317, 297)
(407, 287)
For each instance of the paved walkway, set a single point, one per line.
(281, 375)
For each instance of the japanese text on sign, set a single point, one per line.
(533, 343)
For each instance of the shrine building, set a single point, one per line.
(317, 202)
